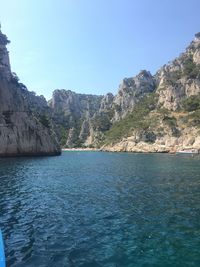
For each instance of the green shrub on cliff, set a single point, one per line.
(44, 120)
(194, 118)
(101, 122)
(192, 103)
(191, 69)
(170, 121)
(63, 136)
(137, 119)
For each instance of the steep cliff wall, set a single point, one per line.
(82, 120)
(158, 112)
(22, 131)
(131, 90)
(168, 119)
(72, 114)
(181, 78)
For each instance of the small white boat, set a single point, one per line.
(192, 151)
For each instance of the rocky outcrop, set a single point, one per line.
(189, 141)
(23, 130)
(106, 103)
(84, 118)
(72, 114)
(5, 70)
(181, 78)
(163, 138)
(73, 104)
(149, 113)
(173, 123)
(131, 90)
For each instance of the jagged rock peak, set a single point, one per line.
(144, 74)
(197, 36)
(5, 69)
(131, 90)
(3, 38)
(67, 99)
(144, 77)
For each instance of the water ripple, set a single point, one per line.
(95, 209)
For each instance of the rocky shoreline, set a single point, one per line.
(143, 148)
(188, 142)
(81, 149)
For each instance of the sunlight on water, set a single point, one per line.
(89, 209)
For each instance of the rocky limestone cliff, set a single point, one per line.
(149, 112)
(72, 114)
(168, 120)
(163, 134)
(5, 70)
(181, 78)
(82, 120)
(131, 90)
(22, 130)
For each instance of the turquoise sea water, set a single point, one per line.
(92, 209)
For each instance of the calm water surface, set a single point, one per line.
(92, 209)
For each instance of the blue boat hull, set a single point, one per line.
(2, 254)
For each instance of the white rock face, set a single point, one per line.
(189, 140)
(174, 84)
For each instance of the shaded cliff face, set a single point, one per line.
(72, 114)
(23, 130)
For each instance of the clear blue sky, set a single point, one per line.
(89, 46)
